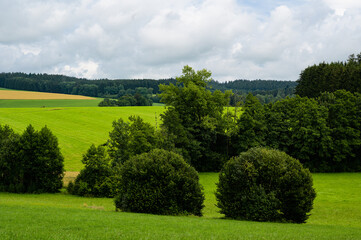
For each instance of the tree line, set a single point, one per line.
(329, 77)
(147, 169)
(141, 96)
(265, 90)
(323, 133)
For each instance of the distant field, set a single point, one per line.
(76, 128)
(26, 99)
(336, 215)
(36, 103)
(12, 94)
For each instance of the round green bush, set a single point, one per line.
(265, 185)
(159, 182)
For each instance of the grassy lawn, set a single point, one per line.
(336, 215)
(76, 128)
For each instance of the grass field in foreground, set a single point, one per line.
(76, 128)
(336, 215)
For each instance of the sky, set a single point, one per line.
(234, 39)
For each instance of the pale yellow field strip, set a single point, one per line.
(24, 95)
(69, 177)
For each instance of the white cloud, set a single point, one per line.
(87, 69)
(142, 39)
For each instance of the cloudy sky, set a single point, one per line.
(234, 39)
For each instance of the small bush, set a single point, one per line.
(265, 185)
(159, 182)
(96, 179)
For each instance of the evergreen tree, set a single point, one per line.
(31, 162)
(43, 164)
(51, 161)
(10, 168)
(329, 77)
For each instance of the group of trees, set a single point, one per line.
(77, 86)
(131, 92)
(194, 121)
(30, 162)
(266, 91)
(142, 177)
(329, 77)
(151, 170)
(102, 163)
(323, 133)
(264, 96)
(193, 126)
(139, 97)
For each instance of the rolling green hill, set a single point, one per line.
(76, 127)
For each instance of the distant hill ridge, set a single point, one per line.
(104, 87)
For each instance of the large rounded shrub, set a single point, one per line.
(159, 182)
(265, 185)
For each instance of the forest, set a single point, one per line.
(329, 77)
(139, 92)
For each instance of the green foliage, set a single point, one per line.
(343, 120)
(159, 182)
(329, 77)
(265, 185)
(298, 127)
(70, 85)
(251, 126)
(194, 117)
(97, 177)
(9, 169)
(138, 99)
(323, 133)
(108, 103)
(31, 162)
(131, 138)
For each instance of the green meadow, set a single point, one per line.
(336, 215)
(75, 127)
(40, 103)
(79, 123)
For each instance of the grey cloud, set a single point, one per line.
(141, 39)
